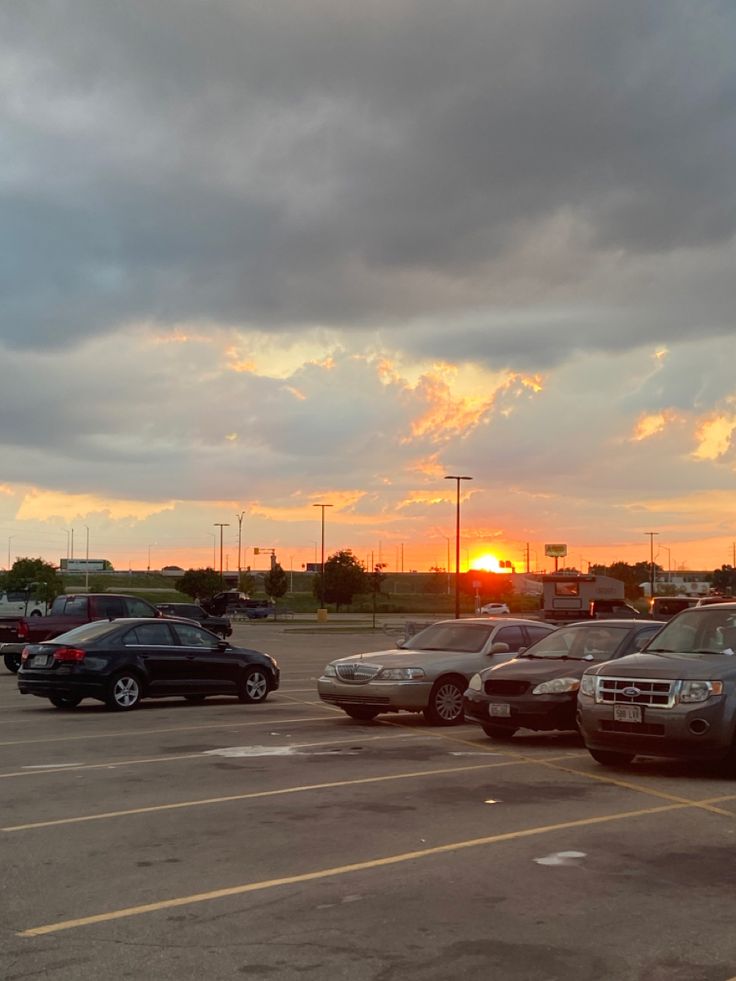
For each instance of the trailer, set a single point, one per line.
(568, 596)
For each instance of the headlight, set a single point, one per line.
(587, 685)
(698, 691)
(557, 686)
(399, 674)
(475, 683)
(330, 671)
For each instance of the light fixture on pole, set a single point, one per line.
(221, 525)
(457, 542)
(240, 538)
(322, 564)
(651, 561)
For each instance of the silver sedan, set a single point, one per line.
(429, 672)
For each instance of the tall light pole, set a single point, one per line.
(10, 538)
(651, 561)
(457, 479)
(221, 525)
(240, 538)
(322, 564)
(669, 562)
(86, 562)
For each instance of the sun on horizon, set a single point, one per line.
(488, 563)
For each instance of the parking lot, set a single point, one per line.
(285, 841)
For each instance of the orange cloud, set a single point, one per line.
(41, 505)
(446, 415)
(652, 424)
(429, 466)
(714, 436)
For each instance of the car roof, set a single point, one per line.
(615, 621)
(506, 620)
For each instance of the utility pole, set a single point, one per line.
(457, 542)
(221, 525)
(322, 565)
(240, 536)
(651, 561)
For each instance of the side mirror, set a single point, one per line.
(499, 648)
(222, 645)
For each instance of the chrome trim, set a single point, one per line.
(357, 672)
(653, 692)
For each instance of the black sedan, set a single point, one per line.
(538, 688)
(193, 611)
(120, 662)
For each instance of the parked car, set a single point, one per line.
(429, 672)
(616, 609)
(676, 698)
(192, 611)
(538, 688)
(120, 662)
(494, 609)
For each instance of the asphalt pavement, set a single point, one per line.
(285, 841)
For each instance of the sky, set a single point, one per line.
(260, 256)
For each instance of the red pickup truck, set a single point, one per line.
(71, 611)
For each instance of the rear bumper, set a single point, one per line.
(46, 687)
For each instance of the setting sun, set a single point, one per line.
(488, 563)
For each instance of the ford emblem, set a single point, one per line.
(631, 692)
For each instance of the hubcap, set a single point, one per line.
(449, 702)
(125, 692)
(256, 686)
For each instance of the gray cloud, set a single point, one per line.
(286, 164)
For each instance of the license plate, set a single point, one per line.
(499, 708)
(627, 713)
(39, 661)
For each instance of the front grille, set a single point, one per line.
(496, 686)
(650, 691)
(357, 672)
(343, 699)
(636, 728)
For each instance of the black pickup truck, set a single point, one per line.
(66, 612)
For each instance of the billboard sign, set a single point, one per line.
(555, 551)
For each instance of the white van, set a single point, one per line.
(20, 604)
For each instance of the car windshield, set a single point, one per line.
(453, 636)
(87, 631)
(588, 642)
(703, 630)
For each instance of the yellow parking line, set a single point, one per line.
(151, 732)
(376, 863)
(262, 793)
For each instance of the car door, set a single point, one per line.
(157, 649)
(209, 669)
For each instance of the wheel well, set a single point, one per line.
(459, 678)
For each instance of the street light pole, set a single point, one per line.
(457, 542)
(221, 525)
(651, 561)
(86, 563)
(322, 564)
(240, 537)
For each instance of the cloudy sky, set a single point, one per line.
(260, 255)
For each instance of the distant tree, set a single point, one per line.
(38, 577)
(344, 577)
(724, 580)
(200, 584)
(275, 582)
(247, 583)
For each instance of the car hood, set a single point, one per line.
(669, 666)
(542, 669)
(398, 658)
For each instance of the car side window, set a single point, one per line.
(640, 638)
(536, 633)
(110, 607)
(137, 608)
(155, 634)
(513, 636)
(191, 636)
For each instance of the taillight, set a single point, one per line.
(25, 654)
(69, 654)
(23, 632)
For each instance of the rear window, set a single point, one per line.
(87, 631)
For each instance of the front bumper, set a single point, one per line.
(538, 712)
(389, 695)
(696, 731)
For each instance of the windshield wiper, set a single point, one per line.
(659, 650)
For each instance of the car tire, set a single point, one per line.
(36, 613)
(65, 701)
(361, 713)
(445, 706)
(195, 699)
(12, 662)
(255, 685)
(501, 734)
(608, 757)
(124, 692)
